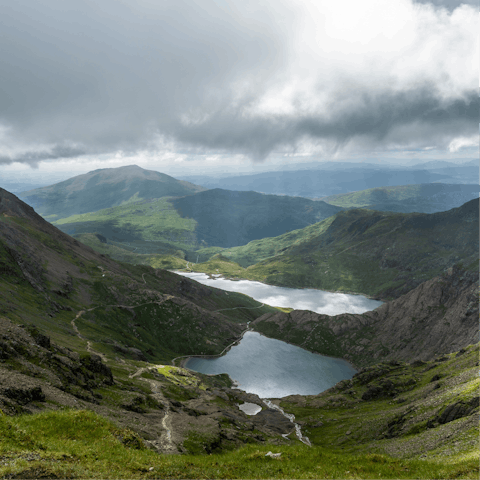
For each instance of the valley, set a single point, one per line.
(91, 325)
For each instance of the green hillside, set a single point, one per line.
(87, 390)
(228, 219)
(149, 226)
(47, 274)
(422, 198)
(212, 219)
(379, 254)
(104, 188)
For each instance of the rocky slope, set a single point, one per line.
(380, 254)
(174, 412)
(49, 279)
(439, 316)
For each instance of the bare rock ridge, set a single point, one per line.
(439, 316)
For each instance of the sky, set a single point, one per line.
(205, 86)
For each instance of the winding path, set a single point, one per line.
(236, 308)
(164, 443)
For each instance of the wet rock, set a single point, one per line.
(273, 420)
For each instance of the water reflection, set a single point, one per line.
(317, 301)
(272, 369)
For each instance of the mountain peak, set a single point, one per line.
(105, 188)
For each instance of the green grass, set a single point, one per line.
(81, 444)
(148, 220)
(259, 250)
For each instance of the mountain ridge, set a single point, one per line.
(104, 188)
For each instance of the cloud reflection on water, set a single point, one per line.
(318, 301)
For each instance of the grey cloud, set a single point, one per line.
(33, 157)
(412, 116)
(108, 76)
(449, 4)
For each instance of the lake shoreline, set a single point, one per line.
(215, 276)
(184, 360)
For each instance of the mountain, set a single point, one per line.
(379, 254)
(56, 275)
(227, 219)
(83, 395)
(213, 218)
(324, 182)
(423, 198)
(104, 188)
(438, 317)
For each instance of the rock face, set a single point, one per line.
(42, 368)
(439, 316)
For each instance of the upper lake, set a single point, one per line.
(318, 301)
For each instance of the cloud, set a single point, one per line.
(228, 76)
(449, 4)
(34, 156)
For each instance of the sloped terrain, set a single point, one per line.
(380, 254)
(423, 198)
(227, 219)
(439, 316)
(86, 388)
(49, 279)
(104, 188)
(214, 218)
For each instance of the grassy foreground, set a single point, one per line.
(81, 444)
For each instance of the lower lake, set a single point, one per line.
(273, 369)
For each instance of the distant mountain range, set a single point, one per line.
(341, 178)
(423, 198)
(105, 188)
(283, 240)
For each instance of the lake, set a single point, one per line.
(318, 301)
(273, 369)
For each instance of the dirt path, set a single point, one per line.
(164, 443)
(236, 308)
(211, 356)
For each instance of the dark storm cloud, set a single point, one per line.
(109, 76)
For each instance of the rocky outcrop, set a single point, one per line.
(439, 316)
